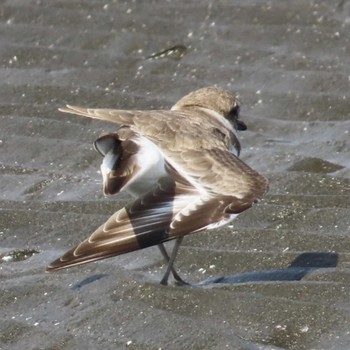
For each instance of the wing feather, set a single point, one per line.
(193, 149)
(119, 166)
(207, 185)
(144, 223)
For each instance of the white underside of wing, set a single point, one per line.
(151, 167)
(107, 164)
(152, 164)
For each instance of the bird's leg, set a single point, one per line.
(167, 259)
(170, 260)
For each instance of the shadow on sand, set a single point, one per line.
(299, 268)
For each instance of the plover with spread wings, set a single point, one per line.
(180, 165)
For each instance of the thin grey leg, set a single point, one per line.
(167, 259)
(170, 261)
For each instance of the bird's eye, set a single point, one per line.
(234, 112)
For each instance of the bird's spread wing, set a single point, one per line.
(151, 219)
(206, 186)
(173, 208)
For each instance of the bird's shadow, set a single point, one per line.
(302, 265)
(88, 280)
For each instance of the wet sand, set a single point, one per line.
(279, 276)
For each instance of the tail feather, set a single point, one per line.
(121, 117)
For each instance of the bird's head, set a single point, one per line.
(215, 99)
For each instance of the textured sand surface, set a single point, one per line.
(286, 262)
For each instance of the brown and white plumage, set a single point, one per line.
(179, 163)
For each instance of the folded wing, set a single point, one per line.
(204, 158)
